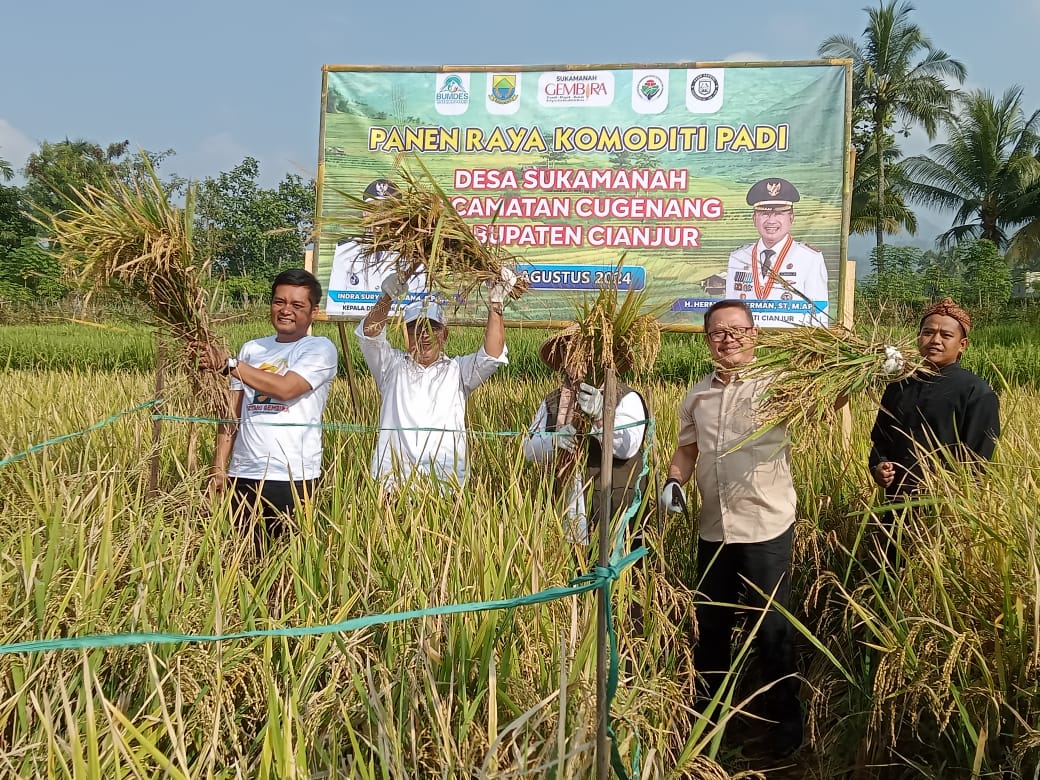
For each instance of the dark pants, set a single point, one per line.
(722, 571)
(277, 500)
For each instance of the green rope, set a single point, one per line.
(94, 427)
(354, 428)
(601, 578)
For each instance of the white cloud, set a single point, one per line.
(747, 56)
(15, 146)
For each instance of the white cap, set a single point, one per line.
(426, 309)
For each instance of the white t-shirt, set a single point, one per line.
(539, 448)
(283, 453)
(798, 264)
(431, 399)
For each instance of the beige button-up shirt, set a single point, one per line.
(747, 494)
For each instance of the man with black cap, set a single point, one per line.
(356, 274)
(755, 270)
(422, 415)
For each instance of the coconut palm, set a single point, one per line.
(986, 172)
(896, 215)
(897, 75)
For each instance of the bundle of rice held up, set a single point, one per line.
(417, 229)
(129, 236)
(811, 368)
(606, 332)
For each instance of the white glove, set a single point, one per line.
(590, 401)
(893, 361)
(499, 291)
(672, 500)
(395, 286)
(565, 438)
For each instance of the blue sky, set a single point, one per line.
(219, 80)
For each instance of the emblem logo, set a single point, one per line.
(650, 87)
(704, 86)
(503, 88)
(773, 188)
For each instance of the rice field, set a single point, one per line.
(929, 674)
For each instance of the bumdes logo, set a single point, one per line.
(452, 97)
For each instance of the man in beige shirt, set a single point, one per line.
(746, 519)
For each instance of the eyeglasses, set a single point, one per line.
(737, 333)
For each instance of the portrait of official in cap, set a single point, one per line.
(755, 270)
(356, 276)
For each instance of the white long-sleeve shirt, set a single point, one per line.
(539, 447)
(422, 416)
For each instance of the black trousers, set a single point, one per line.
(277, 500)
(724, 573)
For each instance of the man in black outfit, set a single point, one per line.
(952, 413)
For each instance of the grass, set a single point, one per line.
(932, 673)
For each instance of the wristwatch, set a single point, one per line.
(230, 366)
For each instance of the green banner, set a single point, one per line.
(727, 180)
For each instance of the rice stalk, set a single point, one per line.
(129, 236)
(811, 369)
(419, 231)
(608, 332)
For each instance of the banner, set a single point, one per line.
(709, 182)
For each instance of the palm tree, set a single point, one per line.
(986, 172)
(897, 74)
(895, 214)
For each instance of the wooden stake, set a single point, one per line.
(345, 345)
(602, 650)
(160, 382)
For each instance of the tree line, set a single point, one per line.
(986, 172)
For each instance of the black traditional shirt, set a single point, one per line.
(952, 410)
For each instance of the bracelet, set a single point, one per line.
(497, 308)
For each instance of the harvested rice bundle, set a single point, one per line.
(130, 236)
(607, 332)
(417, 229)
(812, 368)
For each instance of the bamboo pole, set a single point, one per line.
(160, 383)
(602, 650)
(341, 326)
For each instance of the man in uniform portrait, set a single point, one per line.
(757, 272)
(354, 284)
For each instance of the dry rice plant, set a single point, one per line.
(607, 332)
(418, 230)
(130, 236)
(811, 368)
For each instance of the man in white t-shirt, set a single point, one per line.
(422, 415)
(759, 273)
(280, 384)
